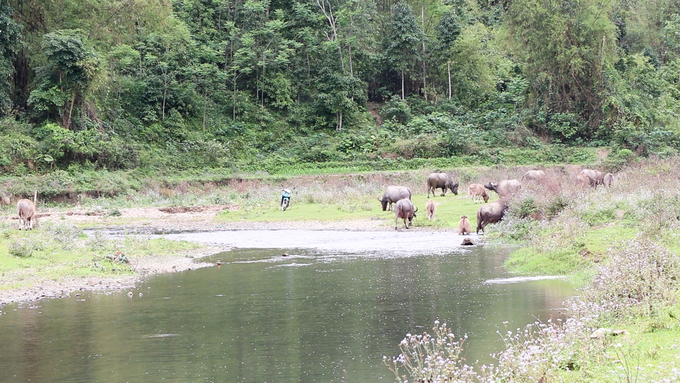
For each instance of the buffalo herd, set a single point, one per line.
(489, 212)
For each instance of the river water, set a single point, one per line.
(327, 311)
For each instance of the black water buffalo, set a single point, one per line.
(441, 181)
(504, 188)
(394, 194)
(405, 210)
(490, 213)
(26, 211)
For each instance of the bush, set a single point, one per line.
(431, 358)
(24, 247)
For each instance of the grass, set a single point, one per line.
(58, 251)
(306, 208)
(647, 352)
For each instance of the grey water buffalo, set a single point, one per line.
(394, 194)
(505, 188)
(582, 180)
(477, 191)
(533, 175)
(490, 213)
(441, 181)
(430, 208)
(464, 226)
(595, 177)
(405, 210)
(608, 179)
(26, 211)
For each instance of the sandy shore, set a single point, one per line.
(158, 220)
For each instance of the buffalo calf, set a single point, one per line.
(477, 191)
(464, 227)
(430, 208)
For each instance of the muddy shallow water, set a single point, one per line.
(392, 242)
(327, 312)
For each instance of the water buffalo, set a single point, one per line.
(504, 188)
(26, 211)
(394, 194)
(441, 181)
(533, 175)
(430, 208)
(608, 179)
(475, 191)
(582, 180)
(595, 177)
(464, 227)
(405, 210)
(490, 213)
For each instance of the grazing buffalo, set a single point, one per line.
(595, 177)
(533, 175)
(394, 194)
(504, 188)
(430, 208)
(26, 211)
(582, 180)
(464, 227)
(405, 210)
(608, 179)
(441, 181)
(490, 213)
(476, 191)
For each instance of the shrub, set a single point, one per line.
(20, 248)
(431, 358)
(639, 278)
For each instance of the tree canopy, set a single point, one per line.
(187, 83)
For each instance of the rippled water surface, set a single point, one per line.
(326, 312)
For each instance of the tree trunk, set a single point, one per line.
(70, 109)
(422, 20)
(448, 70)
(339, 127)
(233, 101)
(403, 92)
(205, 106)
(165, 92)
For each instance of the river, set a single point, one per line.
(285, 306)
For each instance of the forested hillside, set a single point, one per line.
(161, 84)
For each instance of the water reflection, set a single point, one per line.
(311, 316)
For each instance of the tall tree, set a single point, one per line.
(447, 33)
(62, 83)
(566, 48)
(10, 33)
(402, 40)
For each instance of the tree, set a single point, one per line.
(62, 83)
(402, 40)
(566, 48)
(10, 34)
(447, 31)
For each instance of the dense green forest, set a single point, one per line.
(187, 84)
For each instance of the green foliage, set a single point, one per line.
(188, 84)
(10, 32)
(71, 66)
